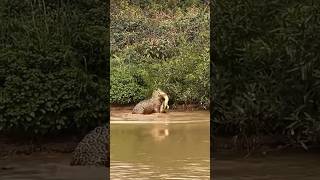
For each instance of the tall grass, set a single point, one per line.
(268, 69)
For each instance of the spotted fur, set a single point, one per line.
(93, 149)
(156, 104)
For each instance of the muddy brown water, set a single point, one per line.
(47, 166)
(279, 166)
(159, 146)
(174, 145)
(163, 146)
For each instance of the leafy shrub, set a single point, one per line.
(153, 47)
(125, 86)
(267, 68)
(53, 72)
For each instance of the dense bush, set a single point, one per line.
(53, 70)
(268, 68)
(156, 47)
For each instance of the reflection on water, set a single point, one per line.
(159, 133)
(282, 166)
(125, 117)
(160, 146)
(47, 167)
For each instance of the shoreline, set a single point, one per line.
(222, 145)
(174, 108)
(261, 146)
(20, 145)
(15, 146)
(10, 146)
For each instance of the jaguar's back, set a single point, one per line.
(93, 148)
(152, 105)
(147, 106)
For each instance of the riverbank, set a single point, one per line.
(48, 166)
(284, 166)
(66, 145)
(257, 146)
(179, 107)
(10, 145)
(20, 146)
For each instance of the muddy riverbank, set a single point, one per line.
(259, 146)
(284, 166)
(45, 159)
(10, 146)
(164, 148)
(173, 108)
(48, 166)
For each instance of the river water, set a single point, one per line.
(174, 145)
(47, 166)
(163, 146)
(279, 166)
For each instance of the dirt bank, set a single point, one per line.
(262, 145)
(181, 107)
(64, 143)
(17, 146)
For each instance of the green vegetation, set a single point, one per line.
(53, 70)
(267, 79)
(160, 45)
